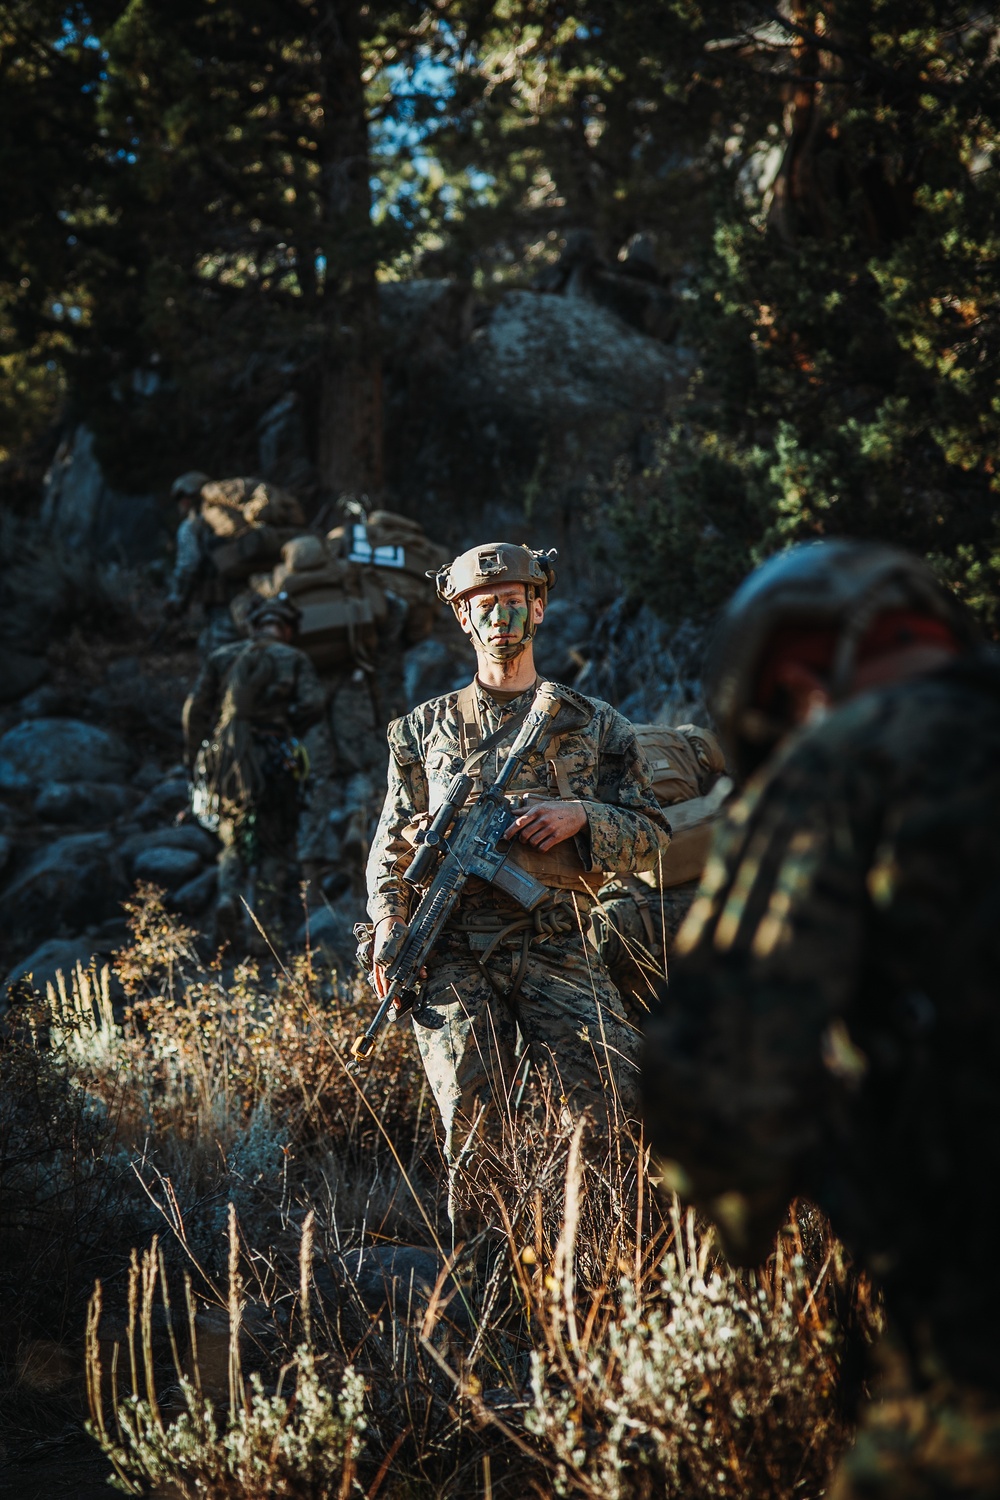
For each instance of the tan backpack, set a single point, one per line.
(251, 520)
(684, 762)
(342, 603)
(402, 554)
(687, 766)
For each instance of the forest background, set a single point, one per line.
(668, 285)
(203, 203)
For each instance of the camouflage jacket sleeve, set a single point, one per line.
(405, 800)
(189, 561)
(626, 826)
(201, 708)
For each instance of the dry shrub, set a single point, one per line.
(695, 1380)
(588, 1340)
(297, 1441)
(65, 1200)
(202, 1043)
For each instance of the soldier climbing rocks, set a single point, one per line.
(243, 722)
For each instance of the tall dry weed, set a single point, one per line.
(585, 1337)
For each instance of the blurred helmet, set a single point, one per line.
(280, 609)
(188, 485)
(828, 594)
(493, 563)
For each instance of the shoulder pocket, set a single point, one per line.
(403, 743)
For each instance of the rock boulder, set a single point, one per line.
(66, 885)
(91, 803)
(166, 866)
(63, 750)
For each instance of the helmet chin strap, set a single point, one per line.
(497, 652)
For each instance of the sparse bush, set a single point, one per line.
(297, 1442)
(589, 1339)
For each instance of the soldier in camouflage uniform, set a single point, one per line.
(194, 575)
(515, 987)
(250, 703)
(348, 757)
(833, 1027)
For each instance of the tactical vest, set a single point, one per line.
(562, 865)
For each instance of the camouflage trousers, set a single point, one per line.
(260, 842)
(563, 1036)
(634, 929)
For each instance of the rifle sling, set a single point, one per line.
(468, 719)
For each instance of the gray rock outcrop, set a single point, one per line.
(166, 866)
(82, 510)
(91, 803)
(63, 750)
(67, 885)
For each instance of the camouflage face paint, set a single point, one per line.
(500, 625)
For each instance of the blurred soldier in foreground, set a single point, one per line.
(242, 724)
(834, 1027)
(511, 983)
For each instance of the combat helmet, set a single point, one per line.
(492, 564)
(495, 562)
(280, 608)
(188, 485)
(840, 586)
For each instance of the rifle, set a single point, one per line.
(475, 849)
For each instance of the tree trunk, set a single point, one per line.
(349, 456)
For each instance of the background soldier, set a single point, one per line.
(506, 979)
(250, 703)
(194, 575)
(230, 527)
(834, 1027)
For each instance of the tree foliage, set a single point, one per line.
(848, 317)
(202, 197)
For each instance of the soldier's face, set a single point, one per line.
(498, 618)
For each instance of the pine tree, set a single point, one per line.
(848, 320)
(50, 154)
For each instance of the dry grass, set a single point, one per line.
(593, 1342)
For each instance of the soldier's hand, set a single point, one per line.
(546, 824)
(383, 931)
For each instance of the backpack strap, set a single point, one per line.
(474, 748)
(469, 732)
(558, 773)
